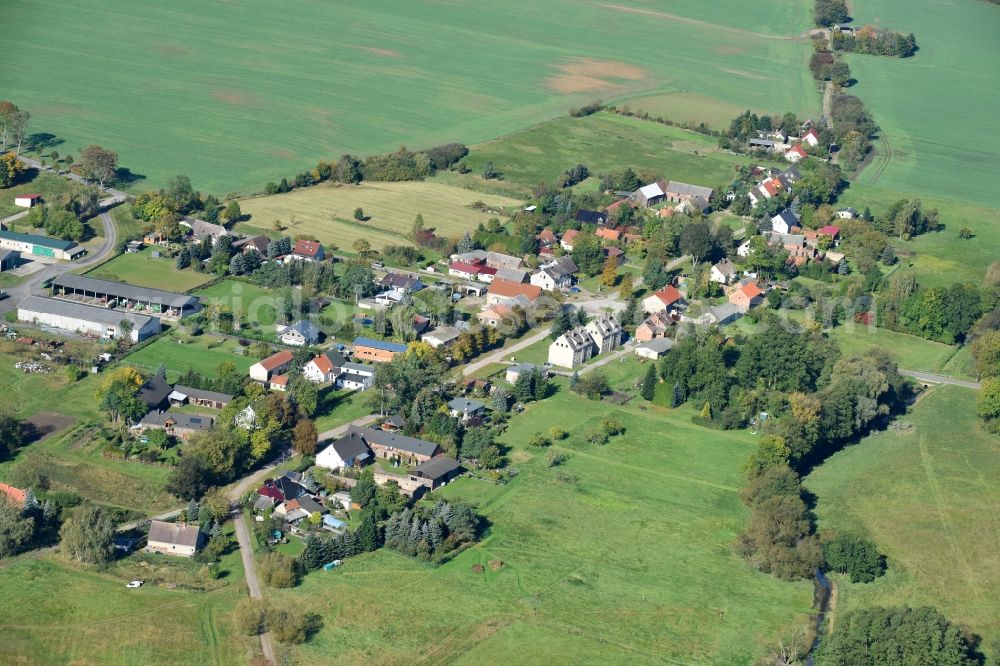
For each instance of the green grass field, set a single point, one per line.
(235, 96)
(97, 621)
(930, 106)
(604, 142)
(940, 258)
(48, 185)
(144, 270)
(243, 299)
(179, 352)
(623, 554)
(326, 211)
(928, 499)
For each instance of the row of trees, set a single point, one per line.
(876, 42)
(432, 532)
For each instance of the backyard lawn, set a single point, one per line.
(144, 270)
(934, 516)
(180, 352)
(624, 553)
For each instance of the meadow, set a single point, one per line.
(931, 106)
(145, 270)
(604, 142)
(98, 621)
(327, 212)
(243, 299)
(934, 516)
(48, 185)
(179, 352)
(237, 95)
(622, 554)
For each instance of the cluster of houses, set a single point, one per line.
(162, 400)
(417, 466)
(580, 344)
(294, 497)
(778, 142)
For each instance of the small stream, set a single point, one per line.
(822, 590)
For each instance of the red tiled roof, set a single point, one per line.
(323, 364)
(15, 495)
(570, 235)
(829, 230)
(28, 196)
(608, 234)
(546, 236)
(509, 289)
(306, 248)
(668, 295)
(751, 290)
(276, 360)
(772, 186)
(280, 380)
(465, 267)
(798, 151)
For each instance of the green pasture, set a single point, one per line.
(622, 554)
(235, 95)
(327, 212)
(145, 270)
(931, 107)
(48, 185)
(604, 142)
(179, 352)
(926, 494)
(245, 300)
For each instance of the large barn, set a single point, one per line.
(103, 293)
(86, 319)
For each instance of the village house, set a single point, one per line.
(556, 274)
(650, 195)
(668, 299)
(442, 336)
(655, 326)
(379, 351)
(356, 377)
(847, 213)
(202, 230)
(784, 222)
(276, 364)
(515, 371)
(502, 291)
(677, 192)
(306, 250)
(495, 315)
(723, 272)
(498, 260)
(403, 283)
(654, 349)
(811, 137)
(606, 333)
(186, 395)
(258, 244)
(796, 154)
(177, 539)
(320, 370)
(546, 238)
(511, 275)
(566, 242)
(591, 217)
(746, 296)
(392, 445)
(465, 409)
(572, 348)
(608, 234)
(300, 334)
(175, 424)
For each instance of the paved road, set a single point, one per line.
(934, 378)
(341, 429)
(501, 355)
(250, 571)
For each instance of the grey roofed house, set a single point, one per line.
(464, 405)
(441, 336)
(203, 395)
(182, 421)
(392, 440)
(310, 505)
(657, 346)
(788, 239)
(306, 329)
(511, 274)
(174, 533)
(678, 189)
(301, 479)
(436, 468)
(724, 314)
(402, 282)
(793, 173)
(500, 260)
(155, 391)
(83, 312)
(94, 286)
(336, 359)
(259, 243)
(359, 369)
(395, 420)
(263, 502)
(763, 143)
(200, 229)
(591, 217)
(564, 265)
(351, 446)
(788, 217)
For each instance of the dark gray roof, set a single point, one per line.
(435, 468)
(155, 391)
(83, 312)
(401, 282)
(202, 394)
(181, 420)
(401, 442)
(590, 216)
(311, 505)
(685, 189)
(306, 328)
(121, 290)
(335, 357)
(174, 533)
(465, 405)
(395, 420)
(351, 445)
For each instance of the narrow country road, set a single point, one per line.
(934, 378)
(499, 355)
(250, 571)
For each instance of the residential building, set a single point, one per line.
(556, 274)
(300, 334)
(784, 222)
(668, 298)
(591, 217)
(498, 260)
(404, 283)
(515, 371)
(848, 213)
(200, 229)
(572, 348)
(811, 137)
(494, 316)
(650, 195)
(155, 392)
(566, 242)
(307, 250)
(348, 451)
(175, 424)
(27, 200)
(40, 246)
(379, 351)
(442, 336)
(437, 471)
(356, 377)
(275, 364)
(546, 238)
(465, 409)
(123, 297)
(511, 275)
(606, 333)
(723, 314)
(655, 326)
(723, 272)
(502, 291)
(320, 370)
(796, 154)
(746, 296)
(385, 444)
(177, 539)
(608, 234)
(258, 244)
(87, 319)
